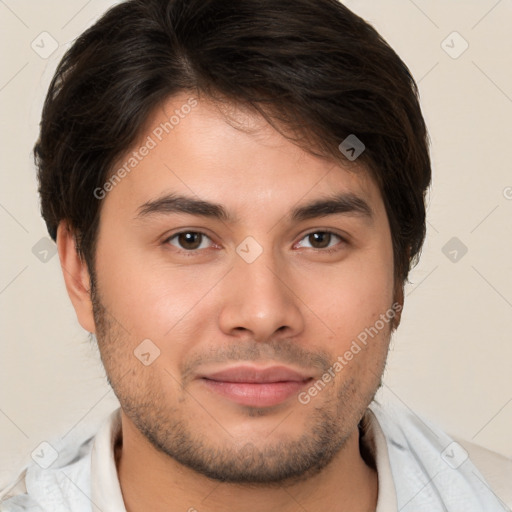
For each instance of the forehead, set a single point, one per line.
(226, 154)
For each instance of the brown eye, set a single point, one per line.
(321, 240)
(187, 240)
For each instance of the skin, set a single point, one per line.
(296, 305)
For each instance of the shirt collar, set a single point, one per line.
(106, 494)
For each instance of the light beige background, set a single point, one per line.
(451, 358)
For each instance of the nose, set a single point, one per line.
(259, 301)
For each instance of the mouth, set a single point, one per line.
(256, 387)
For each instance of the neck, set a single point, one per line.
(151, 480)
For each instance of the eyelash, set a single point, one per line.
(194, 252)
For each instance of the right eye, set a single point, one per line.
(189, 240)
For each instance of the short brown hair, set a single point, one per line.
(311, 67)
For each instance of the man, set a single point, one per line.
(236, 190)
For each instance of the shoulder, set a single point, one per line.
(48, 489)
(14, 497)
(495, 468)
(448, 469)
(63, 485)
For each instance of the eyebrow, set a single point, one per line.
(343, 203)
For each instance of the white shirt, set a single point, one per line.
(419, 467)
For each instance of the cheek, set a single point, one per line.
(351, 299)
(360, 289)
(153, 299)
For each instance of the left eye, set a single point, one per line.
(189, 240)
(322, 239)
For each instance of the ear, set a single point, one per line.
(398, 305)
(76, 276)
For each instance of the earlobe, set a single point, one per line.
(76, 277)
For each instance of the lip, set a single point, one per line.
(256, 387)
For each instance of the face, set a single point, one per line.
(243, 295)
